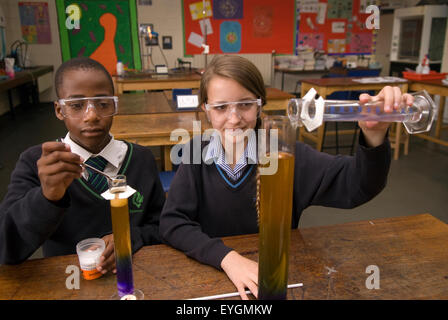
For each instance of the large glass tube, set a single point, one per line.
(122, 239)
(312, 112)
(275, 208)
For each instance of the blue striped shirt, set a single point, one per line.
(216, 153)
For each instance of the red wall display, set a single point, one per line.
(239, 26)
(341, 29)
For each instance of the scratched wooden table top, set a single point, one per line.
(331, 261)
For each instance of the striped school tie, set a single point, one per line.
(96, 180)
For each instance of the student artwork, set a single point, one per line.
(197, 10)
(361, 43)
(95, 33)
(228, 9)
(338, 27)
(35, 22)
(336, 46)
(239, 26)
(312, 40)
(206, 26)
(196, 39)
(339, 9)
(262, 21)
(336, 21)
(230, 36)
(308, 5)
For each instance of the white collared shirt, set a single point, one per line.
(215, 153)
(114, 152)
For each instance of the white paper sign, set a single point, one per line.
(205, 23)
(321, 13)
(187, 101)
(338, 27)
(196, 39)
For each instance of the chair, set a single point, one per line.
(347, 95)
(166, 177)
(340, 95)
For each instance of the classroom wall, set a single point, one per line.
(166, 16)
(40, 54)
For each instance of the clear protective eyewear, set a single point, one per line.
(245, 107)
(105, 106)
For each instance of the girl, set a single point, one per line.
(217, 197)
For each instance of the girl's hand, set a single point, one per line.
(374, 131)
(242, 272)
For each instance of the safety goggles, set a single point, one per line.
(245, 108)
(77, 107)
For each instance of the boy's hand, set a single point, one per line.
(57, 168)
(242, 272)
(107, 260)
(375, 131)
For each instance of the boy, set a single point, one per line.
(52, 202)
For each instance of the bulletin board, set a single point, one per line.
(335, 26)
(239, 26)
(35, 22)
(107, 32)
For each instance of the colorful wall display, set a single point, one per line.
(106, 31)
(239, 26)
(35, 22)
(335, 26)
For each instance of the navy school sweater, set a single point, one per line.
(202, 206)
(28, 220)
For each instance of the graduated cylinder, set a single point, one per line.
(311, 112)
(275, 209)
(122, 237)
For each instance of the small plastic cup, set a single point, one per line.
(89, 254)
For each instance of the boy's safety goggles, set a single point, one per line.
(78, 107)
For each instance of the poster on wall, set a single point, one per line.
(35, 22)
(105, 31)
(334, 26)
(239, 26)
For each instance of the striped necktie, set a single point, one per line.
(96, 180)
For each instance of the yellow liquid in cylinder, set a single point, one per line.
(275, 229)
(122, 241)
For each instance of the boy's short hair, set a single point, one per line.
(76, 64)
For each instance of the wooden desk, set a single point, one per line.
(155, 129)
(327, 86)
(23, 77)
(185, 80)
(410, 252)
(147, 103)
(316, 73)
(434, 87)
(161, 102)
(276, 100)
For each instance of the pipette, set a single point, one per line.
(311, 112)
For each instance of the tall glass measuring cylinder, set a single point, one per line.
(122, 240)
(275, 207)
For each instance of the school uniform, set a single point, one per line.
(28, 220)
(206, 202)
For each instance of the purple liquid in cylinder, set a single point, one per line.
(125, 281)
(122, 241)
